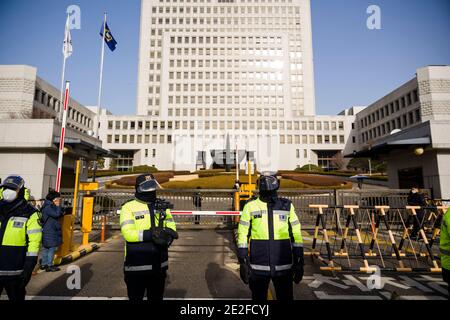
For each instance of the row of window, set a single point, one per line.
(198, 100)
(47, 100)
(237, 51)
(390, 108)
(227, 10)
(237, 1)
(268, 76)
(267, 125)
(243, 63)
(398, 123)
(244, 40)
(284, 139)
(270, 21)
(222, 87)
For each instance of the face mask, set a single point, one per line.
(9, 195)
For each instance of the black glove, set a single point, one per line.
(244, 272)
(298, 273)
(244, 269)
(30, 263)
(297, 267)
(164, 236)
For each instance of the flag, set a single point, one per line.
(67, 46)
(109, 39)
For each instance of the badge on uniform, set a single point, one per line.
(282, 217)
(256, 216)
(18, 224)
(139, 217)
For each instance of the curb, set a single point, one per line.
(79, 253)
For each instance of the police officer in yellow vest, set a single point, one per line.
(445, 248)
(149, 229)
(273, 230)
(20, 238)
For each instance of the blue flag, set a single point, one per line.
(109, 39)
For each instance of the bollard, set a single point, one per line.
(102, 238)
(86, 221)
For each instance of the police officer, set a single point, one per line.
(445, 248)
(271, 226)
(20, 238)
(149, 229)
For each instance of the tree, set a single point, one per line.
(337, 161)
(358, 164)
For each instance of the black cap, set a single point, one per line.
(145, 183)
(52, 195)
(13, 182)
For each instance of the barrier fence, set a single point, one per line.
(355, 238)
(344, 230)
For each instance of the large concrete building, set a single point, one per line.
(409, 128)
(30, 131)
(215, 72)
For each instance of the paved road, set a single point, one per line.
(204, 266)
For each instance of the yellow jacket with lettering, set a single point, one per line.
(141, 253)
(20, 237)
(445, 241)
(274, 232)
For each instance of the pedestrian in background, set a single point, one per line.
(51, 230)
(416, 198)
(197, 200)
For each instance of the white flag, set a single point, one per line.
(67, 47)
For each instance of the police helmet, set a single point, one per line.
(14, 183)
(146, 183)
(268, 181)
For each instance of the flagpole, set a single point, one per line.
(62, 137)
(60, 116)
(101, 63)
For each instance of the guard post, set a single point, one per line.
(88, 210)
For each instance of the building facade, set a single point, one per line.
(214, 73)
(30, 131)
(409, 128)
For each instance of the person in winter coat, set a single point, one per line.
(416, 198)
(51, 230)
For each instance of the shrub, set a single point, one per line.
(309, 167)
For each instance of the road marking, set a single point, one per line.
(324, 296)
(4, 297)
(388, 295)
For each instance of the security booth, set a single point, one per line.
(416, 156)
(77, 180)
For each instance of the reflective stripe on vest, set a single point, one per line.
(10, 273)
(267, 268)
(145, 268)
(34, 231)
(275, 212)
(243, 245)
(124, 223)
(244, 223)
(281, 212)
(32, 254)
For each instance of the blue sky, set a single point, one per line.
(353, 65)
